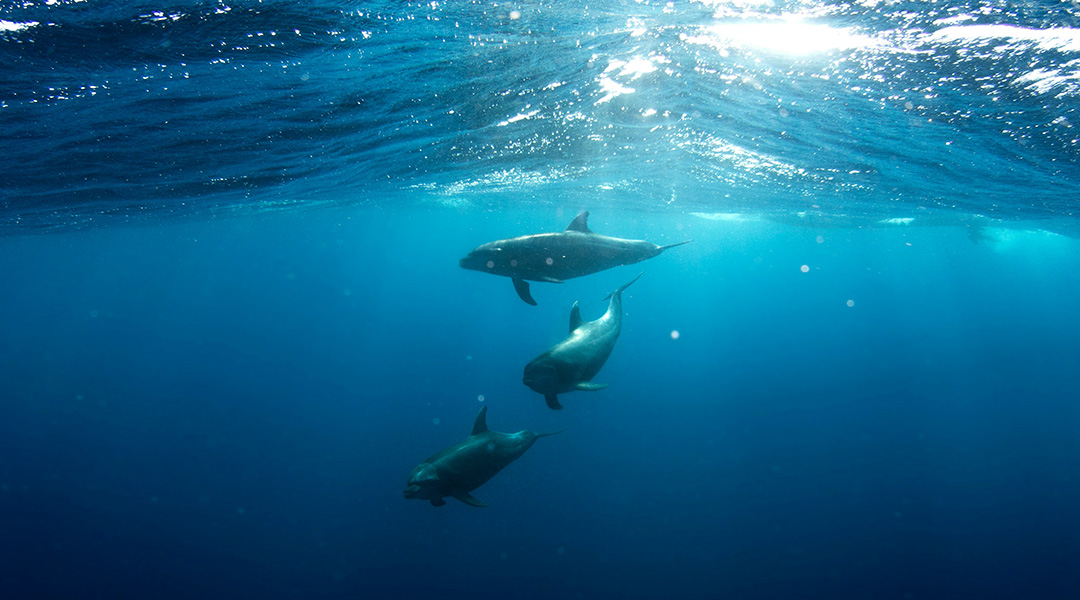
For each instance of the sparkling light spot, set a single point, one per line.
(674, 334)
(515, 15)
(491, 264)
(550, 261)
(481, 396)
(805, 268)
(850, 303)
(792, 36)
(820, 239)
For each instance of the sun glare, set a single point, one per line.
(790, 35)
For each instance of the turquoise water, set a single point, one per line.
(235, 322)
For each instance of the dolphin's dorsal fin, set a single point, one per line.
(467, 498)
(480, 425)
(580, 223)
(575, 317)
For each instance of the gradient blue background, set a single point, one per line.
(232, 319)
(231, 408)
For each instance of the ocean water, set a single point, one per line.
(232, 319)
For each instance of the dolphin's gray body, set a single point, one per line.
(555, 257)
(572, 363)
(465, 466)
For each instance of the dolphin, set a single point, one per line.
(572, 363)
(555, 257)
(465, 466)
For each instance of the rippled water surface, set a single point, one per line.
(852, 107)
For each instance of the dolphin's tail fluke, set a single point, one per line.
(662, 248)
(619, 291)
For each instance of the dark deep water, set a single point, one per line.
(233, 319)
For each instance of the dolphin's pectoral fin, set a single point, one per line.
(552, 401)
(522, 288)
(468, 499)
(438, 502)
(588, 386)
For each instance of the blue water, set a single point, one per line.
(233, 319)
